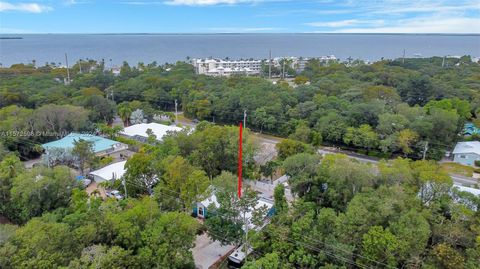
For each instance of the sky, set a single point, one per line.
(240, 16)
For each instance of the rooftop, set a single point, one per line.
(467, 189)
(99, 143)
(159, 130)
(115, 170)
(467, 147)
(262, 202)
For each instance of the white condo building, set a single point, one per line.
(218, 67)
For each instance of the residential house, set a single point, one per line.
(109, 173)
(201, 208)
(140, 131)
(466, 153)
(102, 147)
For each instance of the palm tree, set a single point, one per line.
(124, 111)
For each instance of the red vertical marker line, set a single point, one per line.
(240, 162)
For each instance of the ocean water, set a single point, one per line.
(162, 48)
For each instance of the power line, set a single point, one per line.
(346, 251)
(344, 259)
(309, 246)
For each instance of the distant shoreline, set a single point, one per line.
(227, 33)
(115, 48)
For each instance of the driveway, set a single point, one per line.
(30, 163)
(207, 252)
(93, 187)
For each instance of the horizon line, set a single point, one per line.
(236, 33)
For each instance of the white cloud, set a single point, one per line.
(24, 7)
(429, 8)
(242, 29)
(389, 7)
(423, 25)
(143, 3)
(344, 23)
(398, 16)
(75, 2)
(208, 2)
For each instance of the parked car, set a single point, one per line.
(86, 182)
(114, 194)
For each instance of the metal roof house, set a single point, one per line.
(470, 129)
(466, 153)
(139, 131)
(101, 146)
(109, 173)
(60, 151)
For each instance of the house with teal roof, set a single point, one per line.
(101, 146)
(470, 129)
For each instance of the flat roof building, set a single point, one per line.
(139, 131)
(219, 67)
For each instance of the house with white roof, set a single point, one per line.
(109, 173)
(201, 208)
(466, 152)
(140, 131)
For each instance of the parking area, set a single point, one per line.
(207, 252)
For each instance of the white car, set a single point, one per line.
(115, 194)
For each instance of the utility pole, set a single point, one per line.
(425, 150)
(270, 65)
(443, 62)
(80, 65)
(176, 111)
(68, 72)
(403, 58)
(124, 187)
(245, 248)
(283, 69)
(245, 118)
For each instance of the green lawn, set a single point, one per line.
(458, 169)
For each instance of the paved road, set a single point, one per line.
(352, 155)
(267, 139)
(459, 180)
